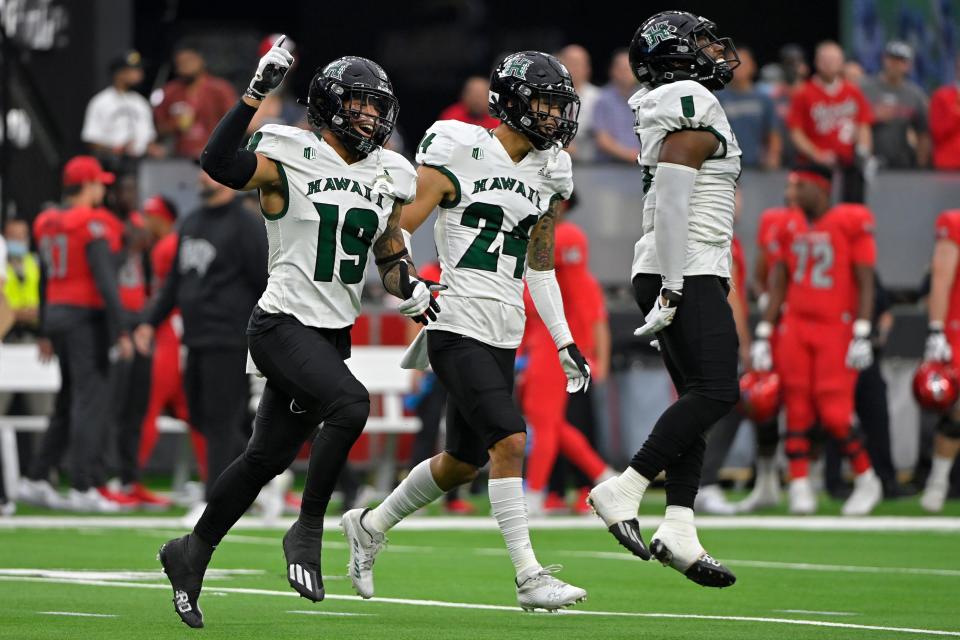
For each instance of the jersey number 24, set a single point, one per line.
(478, 254)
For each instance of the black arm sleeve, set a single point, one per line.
(222, 158)
(165, 299)
(104, 271)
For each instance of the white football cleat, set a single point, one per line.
(934, 496)
(364, 547)
(619, 514)
(39, 493)
(538, 589)
(867, 494)
(711, 499)
(675, 544)
(90, 501)
(802, 497)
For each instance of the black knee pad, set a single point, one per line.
(352, 407)
(948, 427)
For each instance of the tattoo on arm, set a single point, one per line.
(540, 249)
(391, 243)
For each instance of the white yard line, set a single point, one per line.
(453, 523)
(334, 613)
(817, 613)
(77, 614)
(514, 609)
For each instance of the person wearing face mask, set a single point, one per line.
(193, 102)
(22, 288)
(219, 272)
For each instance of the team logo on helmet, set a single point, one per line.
(516, 66)
(658, 33)
(336, 68)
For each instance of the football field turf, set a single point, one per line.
(104, 582)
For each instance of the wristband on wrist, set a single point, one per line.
(935, 326)
(862, 328)
(764, 330)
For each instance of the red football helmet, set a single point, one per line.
(760, 395)
(936, 386)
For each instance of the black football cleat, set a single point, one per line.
(628, 535)
(185, 580)
(302, 553)
(705, 570)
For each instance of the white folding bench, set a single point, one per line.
(378, 368)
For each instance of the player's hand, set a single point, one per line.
(576, 368)
(125, 348)
(418, 301)
(761, 356)
(860, 351)
(272, 68)
(45, 348)
(660, 317)
(143, 338)
(937, 348)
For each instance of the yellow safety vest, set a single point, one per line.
(23, 294)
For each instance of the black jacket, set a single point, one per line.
(218, 274)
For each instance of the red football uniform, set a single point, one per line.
(948, 228)
(132, 283)
(62, 237)
(816, 329)
(831, 117)
(740, 267)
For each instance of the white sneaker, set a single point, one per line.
(538, 589)
(7, 509)
(766, 492)
(364, 546)
(801, 497)
(867, 494)
(675, 544)
(39, 493)
(535, 501)
(192, 516)
(711, 499)
(934, 496)
(90, 501)
(619, 514)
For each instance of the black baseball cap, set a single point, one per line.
(128, 60)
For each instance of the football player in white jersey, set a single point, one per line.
(496, 192)
(329, 197)
(690, 162)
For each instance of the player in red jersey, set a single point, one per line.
(824, 274)
(943, 345)
(543, 395)
(166, 382)
(82, 316)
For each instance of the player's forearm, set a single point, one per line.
(545, 292)
(803, 144)
(866, 291)
(674, 184)
(946, 256)
(777, 292)
(105, 277)
(603, 342)
(864, 140)
(222, 158)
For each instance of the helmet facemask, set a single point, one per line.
(547, 117)
(362, 118)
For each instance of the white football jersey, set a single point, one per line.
(482, 234)
(673, 107)
(319, 245)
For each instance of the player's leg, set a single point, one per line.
(946, 447)
(130, 421)
(870, 401)
(543, 403)
(710, 497)
(766, 483)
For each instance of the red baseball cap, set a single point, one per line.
(80, 169)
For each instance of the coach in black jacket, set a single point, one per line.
(219, 272)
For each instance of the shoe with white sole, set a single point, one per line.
(934, 496)
(619, 515)
(676, 545)
(7, 509)
(711, 499)
(802, 497)
(89, 501)
(538, 589)
(39, 493)
(364, 546)
(766, 492)
(867, 494)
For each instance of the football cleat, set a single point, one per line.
(802, 497)
(39, 493)
(676, 545)
(710, 499)
(540, 590)
(766, 489)
(619, 516)
(867, 494)
(364, 547)
(89, 501)
(185, 579)
(302, 552)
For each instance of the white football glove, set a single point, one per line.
(576, 369)
(860, 351)
(761, 356)
(660, 316)
(273, 66)
(937, 348)
(418, 302)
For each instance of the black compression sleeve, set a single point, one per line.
(104, 274)
(222, 158)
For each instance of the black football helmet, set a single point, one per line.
(671, 46)
(533, 93)
(340, 97)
